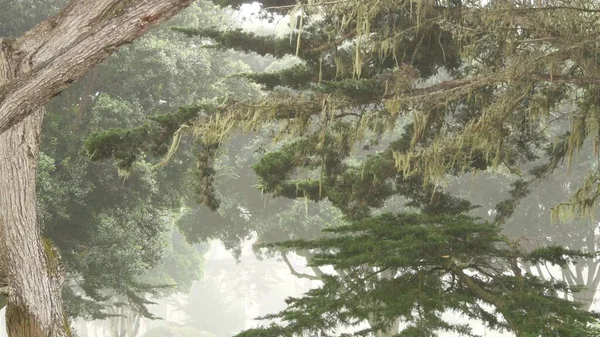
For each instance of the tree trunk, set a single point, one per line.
(136, 326)
(33, 289)
(33, 69)
(34, 306)
(590, 265)
(391, 330)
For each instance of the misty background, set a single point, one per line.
(221, 284)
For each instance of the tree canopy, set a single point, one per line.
(367, 122)
(116, 236)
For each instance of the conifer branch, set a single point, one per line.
(477, 289)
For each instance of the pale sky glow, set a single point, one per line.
(249, 12)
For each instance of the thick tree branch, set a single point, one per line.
(63, 48)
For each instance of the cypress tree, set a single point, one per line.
(367, 68)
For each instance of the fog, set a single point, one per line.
(241, 285)
(193, 189)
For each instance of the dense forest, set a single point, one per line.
(429, 168)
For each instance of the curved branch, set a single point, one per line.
(63, 48)
(294, 272)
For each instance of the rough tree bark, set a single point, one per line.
(33, 69)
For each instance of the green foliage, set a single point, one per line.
(180, 265)
(116, 235)
(367, 68)
(556, 255)
(19, 16)
(416, 267)
(291, 77)
(125, 145)
(513, 72)
(355, 189)
(243, 41)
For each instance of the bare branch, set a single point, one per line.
(294, 272)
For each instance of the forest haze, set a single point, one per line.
(299, 168)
